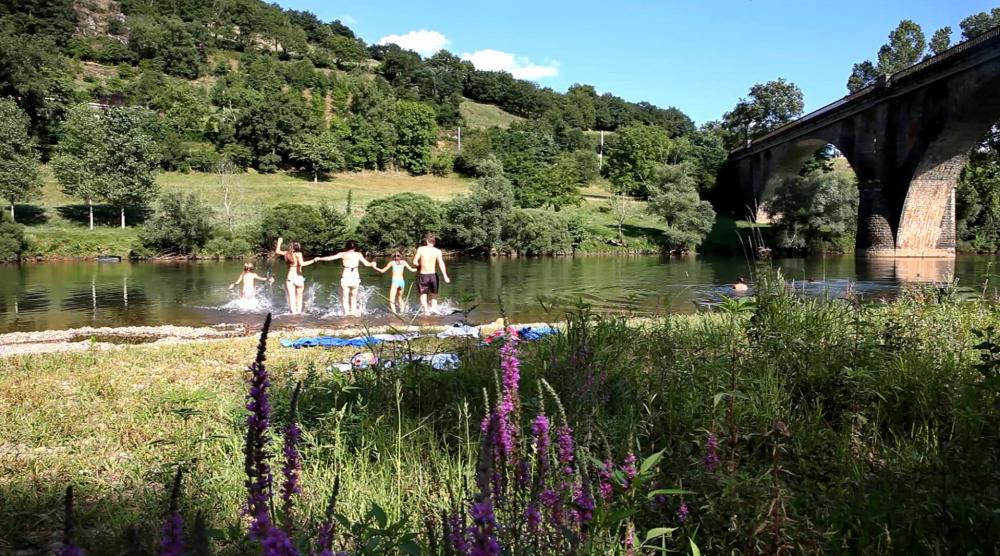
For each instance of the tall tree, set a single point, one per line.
(674, 198)
(979, 23)
(18, 156)
(317, 153)
(634, 155)
(817, 212)
(131, 160)
(905, 47)
(78, 156)
(940, 41)
(768, 106)
(416, 132)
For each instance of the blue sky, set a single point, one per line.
(698, 55)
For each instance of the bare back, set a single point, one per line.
(427, 259)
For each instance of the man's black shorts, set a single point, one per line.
(427, 283)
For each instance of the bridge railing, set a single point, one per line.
(947, 54)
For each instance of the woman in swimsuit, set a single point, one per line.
(398, 283)
(350, 281)
(295, 283)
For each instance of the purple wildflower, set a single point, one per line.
(455, 533)
(69, 526)
(510, 368)
(629, 469)
(540, 430)
(276, 542)
(565, 440)
(533, 517)
(605, 488)
(258, 471)
(711, 452)
(584, 503)
(682, 512)
(324, 535)
(172, 536)
(483, 530)
(629, 541)
(292, 465)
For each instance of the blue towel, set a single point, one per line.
(529, 333)
(331, 342)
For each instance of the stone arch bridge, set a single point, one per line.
(907, 137)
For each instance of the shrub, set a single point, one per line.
(181, 225)
(227, 246)
(474, 222)
(442, 163)
(817, 212)
(536, 232)
(203, 159)
(319, 229)
(238, 154)
(13, 244)
(399, 221)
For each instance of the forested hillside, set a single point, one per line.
(255, 87)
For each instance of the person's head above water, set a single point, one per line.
(247, 267)
(741, 280)
(429, 240)
(350, 245)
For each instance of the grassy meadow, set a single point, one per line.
(57, 224)
(781, 424)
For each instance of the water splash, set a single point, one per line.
(366, 296)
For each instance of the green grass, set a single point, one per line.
(57, 223)
(842, 427)
(481, 116)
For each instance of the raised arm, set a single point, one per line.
(277, 248)
(444, 270)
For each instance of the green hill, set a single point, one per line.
(481, 116)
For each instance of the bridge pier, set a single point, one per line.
(875, 237)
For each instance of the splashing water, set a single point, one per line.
(335, 308)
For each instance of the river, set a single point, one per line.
(74, 294)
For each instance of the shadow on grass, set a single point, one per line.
(29, 215)
(653, 235)
(104, 215)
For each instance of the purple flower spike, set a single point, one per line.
(682, 512)
(258, 471)
(605, 488)
(629, 469)
(172, 536)
(510, 367)
(69, 527)
(565, 439)
(277, 543)
(711, 452)
(292, 465)
(483, 530)
(456, 534)
(534, 518)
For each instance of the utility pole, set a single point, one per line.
(600, 154)
(459, 139)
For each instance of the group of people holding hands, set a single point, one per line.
(426, 262)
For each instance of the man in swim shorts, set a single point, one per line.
(427, 260)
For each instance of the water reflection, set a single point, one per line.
(66, 295)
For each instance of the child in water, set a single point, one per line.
(249, 279)
(397, 264)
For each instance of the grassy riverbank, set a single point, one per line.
(57, 224)
(841, 428)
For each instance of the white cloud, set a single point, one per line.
(518, 66)
(422, 42)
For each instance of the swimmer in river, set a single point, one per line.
(249, 279)
(740, 286)
(350, 280)
(295, 283)
(398, 286)
(427, 260)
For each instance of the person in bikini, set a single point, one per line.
(249, 279)
(350, 280)
(427, 260)
(295, 283)
(398, 286)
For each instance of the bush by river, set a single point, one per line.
(777, 424)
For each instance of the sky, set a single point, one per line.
(700, 56)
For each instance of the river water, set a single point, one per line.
(74, 294)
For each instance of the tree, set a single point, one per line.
(416, 133)
(34, 74)
(317, 152)
(399, 221)
(13, 244)
(130, 161)
(226, 172)
(816, 212)
(768, 106)
(474, 222)
(634, 155)
(320, 230)
(181, 225)
(940, 41)
(674, 198)
(979, 23)
(905, 47)
(79, 155)
(18, 156)
(622, 208)
(561, 182)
